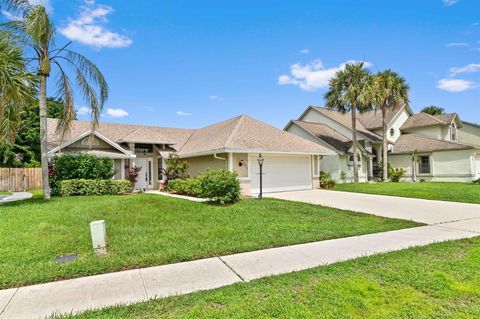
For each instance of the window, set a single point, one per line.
(453, 132)
(350, 158)
(424, 164)
(392, 132)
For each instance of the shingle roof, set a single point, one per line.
(424, 119)
(373, 119)
(324, 132)
(239, 133)
(407, 143)
(346, 120)
(118, 132)
(246, 133)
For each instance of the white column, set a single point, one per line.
(122, 169)
(370, 167)
(230, 162)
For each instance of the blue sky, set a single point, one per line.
(192, 63)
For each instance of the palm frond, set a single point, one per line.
(91, 71)
(17, 86)
(65, 93)
(16, 6)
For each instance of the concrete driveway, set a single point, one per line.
(420, 210)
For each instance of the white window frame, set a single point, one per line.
(429, 164)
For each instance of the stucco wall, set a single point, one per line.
(429, 131)
(243, 169)
(201, 163)
(469, 134)
(314, 116)
(397, 122)
(295, 129)
(335, 164)
(445, 166)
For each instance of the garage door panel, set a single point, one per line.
(282, 173)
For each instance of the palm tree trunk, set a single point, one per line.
(385, 145)
(354, 146)
(43, 135)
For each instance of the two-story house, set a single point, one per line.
(446, 148)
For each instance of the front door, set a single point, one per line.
(145, 176)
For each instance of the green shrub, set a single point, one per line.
(477, 181)
(222, 186)
(324, 177)
(396, 174)
(189, 186)
(83, 166)
(79, 187)
(78, 166)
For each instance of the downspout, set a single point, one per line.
(215, 156)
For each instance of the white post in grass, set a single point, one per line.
(99, 236)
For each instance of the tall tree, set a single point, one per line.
(391, 92)
(433, 110)
(351, 90)
(36, 32)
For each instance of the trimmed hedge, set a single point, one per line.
(81, 187)
(221, 186)
(189, 186)
(79, 166)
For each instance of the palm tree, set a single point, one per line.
(36, 33)
(433, 110)
(391, 92)
(17, 87)
(351, 91)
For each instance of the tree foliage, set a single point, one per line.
(351, 90)
(35, 34)
(24, 151)
(433, 110)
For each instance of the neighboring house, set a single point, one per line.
(291, 162)
(448, 149)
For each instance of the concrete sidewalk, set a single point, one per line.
(77, 295)
(15, 197)
(420, 210)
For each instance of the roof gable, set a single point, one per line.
(345, 120)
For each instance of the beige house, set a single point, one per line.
(291, 162)
(448, 149)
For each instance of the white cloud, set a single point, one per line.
(89, 28)
(449, 2)
(456, 44)
(84, 110)
(116, 112)
(181, 113)
(216, 97)
(470, 68)
(313, 75)
(11, 16)
(455, 85)
(305, 51)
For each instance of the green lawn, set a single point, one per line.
(5, 193)
(146, 230)
(436, 281)
(455, 192)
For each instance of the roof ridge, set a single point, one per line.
(433, 117)
(235, 129)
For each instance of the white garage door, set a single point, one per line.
(281, 173)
